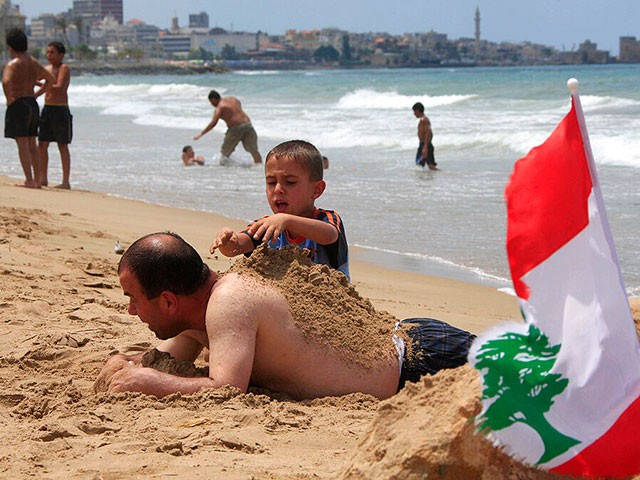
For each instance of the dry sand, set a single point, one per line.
(63, 314)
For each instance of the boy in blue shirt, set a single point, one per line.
(293, 172)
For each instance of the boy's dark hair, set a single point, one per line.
(214, 94)
(17, 39)
(59, 46)
(171, 264)
(419, 107)
(185, 148)
(303, 153)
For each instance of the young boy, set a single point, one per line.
(293, 172)
(189, 156)
(55, 119)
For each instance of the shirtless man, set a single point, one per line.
(56, 120)
(252, 337)
(425, 152)
(19, 78)
(239, 127)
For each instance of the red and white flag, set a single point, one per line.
(562, 390)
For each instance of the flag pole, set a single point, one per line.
(572, 84)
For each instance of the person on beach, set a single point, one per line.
(252, 336)
(19, 78)
(425, 153)
(55, 119)
(239, 127)
(189, 156)
(293, 174)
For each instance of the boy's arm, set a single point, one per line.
(44, 74)
(62, 82)
(230, 243)
(270, 228)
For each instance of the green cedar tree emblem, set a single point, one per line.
(518, 378)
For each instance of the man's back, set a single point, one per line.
(20, 77)
(247, 315)
(231, 111)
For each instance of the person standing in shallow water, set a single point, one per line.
(425, 153)
(19, 78)
(239, 127)
(55, 120)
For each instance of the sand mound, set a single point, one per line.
(427, 431)
(322, 302)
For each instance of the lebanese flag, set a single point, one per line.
(562, 390)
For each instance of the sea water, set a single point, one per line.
(129, 132)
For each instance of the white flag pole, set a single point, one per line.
(572, 84)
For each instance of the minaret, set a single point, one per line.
(477, 18)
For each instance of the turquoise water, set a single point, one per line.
(129, 131)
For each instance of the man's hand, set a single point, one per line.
(227, 240)
(113, 366)
(269, 228)
(135, 380)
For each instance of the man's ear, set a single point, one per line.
(169, 301)
(318, 188)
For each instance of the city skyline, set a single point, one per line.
(563, 24)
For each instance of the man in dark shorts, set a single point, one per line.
(56, 120)
(19, 78)
(252, 337)
(425, 153)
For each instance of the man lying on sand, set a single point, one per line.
(254, 332)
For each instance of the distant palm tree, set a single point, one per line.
(61, 23)
(79, 23)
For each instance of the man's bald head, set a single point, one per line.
(164, 261)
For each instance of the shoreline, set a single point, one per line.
(403, 293)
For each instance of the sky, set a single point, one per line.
(560, 23)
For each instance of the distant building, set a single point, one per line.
(113, 8)
(629, 50)
(93, 10)
(175, 44)
(175, 26)
(199, 20)
(43, 30)
(10, 17)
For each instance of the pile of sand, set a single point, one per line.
(323, 304)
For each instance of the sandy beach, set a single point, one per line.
(64, 315)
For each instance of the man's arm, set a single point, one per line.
(123, 373)
(44, 74)
(212, 123)
(271, 227)
(7, 81)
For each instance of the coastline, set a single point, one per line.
(402, 293)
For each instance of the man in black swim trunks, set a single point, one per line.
(56, 120)
(252, 336)
(425, 154)
(19, 78)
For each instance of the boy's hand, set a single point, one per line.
(269, 228)
(225, 238)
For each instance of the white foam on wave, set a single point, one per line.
(256, 72)
(592, 102)
(143, 93)
(170, 121)
(622, 150)
(370, 99)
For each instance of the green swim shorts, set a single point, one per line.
(243, 132)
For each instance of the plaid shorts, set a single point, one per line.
(435, 345)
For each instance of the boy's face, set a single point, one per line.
(289, 189)
(417, 113)
(53, 56)
(189, 152)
